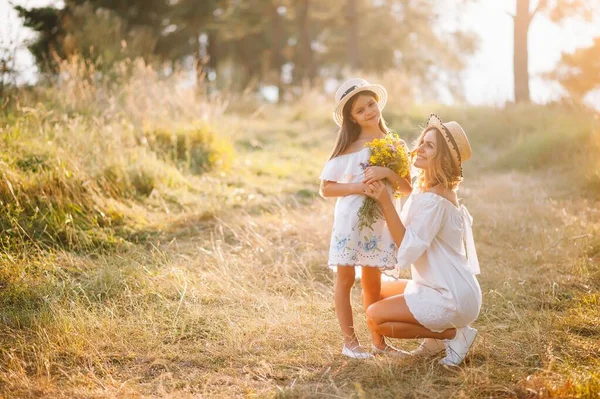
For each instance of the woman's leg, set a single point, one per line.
(391, 317)
(391, 288)
(343, 307)
(371, 284)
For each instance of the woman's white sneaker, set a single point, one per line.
(429, 347)
(356, 352)
(457, 347)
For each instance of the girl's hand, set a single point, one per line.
(377, 191)
(376, 173)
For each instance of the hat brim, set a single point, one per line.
(435, 121)
(380, 92)
(458, 143)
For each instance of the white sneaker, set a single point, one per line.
(356, 352)
(389, 351)
(429, 347)
(457, 347)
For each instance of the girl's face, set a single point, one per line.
(365, 111)
(426, 150)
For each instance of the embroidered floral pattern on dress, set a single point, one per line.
(341, 242)
(370, 244)
(349, 245)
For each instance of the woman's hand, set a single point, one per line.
(376, 173)
(377, 191)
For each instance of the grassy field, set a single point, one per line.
(130, 268)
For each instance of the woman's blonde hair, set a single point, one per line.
(349, 131)
(443, 170)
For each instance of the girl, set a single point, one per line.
(435, 237)
(358, 113)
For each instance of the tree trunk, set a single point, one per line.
(278, 42)
(522, 20)
(352, 44)
(213, 54)
(199, 65)
(304, 69)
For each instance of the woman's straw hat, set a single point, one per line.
(350, 88)
(455, 137)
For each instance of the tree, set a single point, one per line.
(579, 72)
(352, 32)
(47, 21)
(304, 68)
(557, 11)
(61, 31)
(254, 43)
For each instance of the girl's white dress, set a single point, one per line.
(438, 246)
(349, 245)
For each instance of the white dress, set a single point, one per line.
(349, 245)
(438, 245)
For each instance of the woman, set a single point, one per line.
(435, 238)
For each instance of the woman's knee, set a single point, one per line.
(373, 315)
(373, 321)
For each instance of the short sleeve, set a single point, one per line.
(424, 222)
(333, 170)
(342, 169)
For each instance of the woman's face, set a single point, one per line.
(365, 111)
(426, 150)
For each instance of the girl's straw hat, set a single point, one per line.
(455, 137)
(350, 88)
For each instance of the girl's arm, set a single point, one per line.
(335, 189)
(377, 191)
(376, 173)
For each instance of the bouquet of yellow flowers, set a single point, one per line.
(389, 152)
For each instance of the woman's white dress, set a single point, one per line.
(438, 246)
(351, 246)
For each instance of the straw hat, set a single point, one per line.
(455, 137)
(350, 88)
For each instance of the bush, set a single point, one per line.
(196, 150)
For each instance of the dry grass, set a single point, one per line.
(220, 287)
(242, 306)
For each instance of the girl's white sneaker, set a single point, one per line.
(429, 347)
(457, 347)
(356, 352)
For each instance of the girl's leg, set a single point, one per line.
(391, 317)
(371, 284)
(343, 308)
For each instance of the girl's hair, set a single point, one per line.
(442, 170)
(349, 131)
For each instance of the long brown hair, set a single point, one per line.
(443, 170)
(349, 131)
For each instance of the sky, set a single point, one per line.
(488, 78)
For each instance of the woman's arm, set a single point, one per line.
(400, 184)
(335, 189)
(377, 191)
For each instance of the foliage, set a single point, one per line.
(196, 149)
(579, 72)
